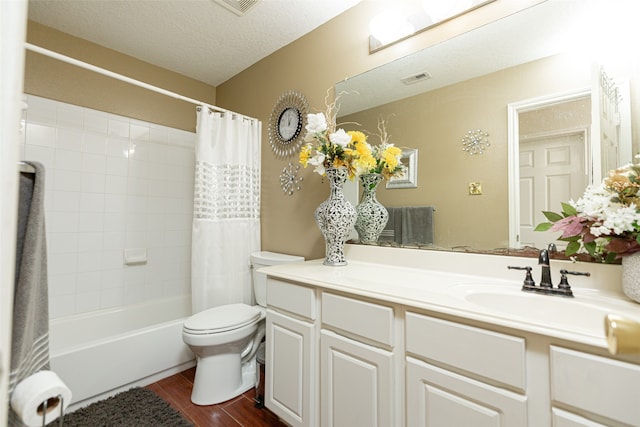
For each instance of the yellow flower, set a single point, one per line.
(305, 154)
(357, 137)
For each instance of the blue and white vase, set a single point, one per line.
(335, 218)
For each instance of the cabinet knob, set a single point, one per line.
(623, 335)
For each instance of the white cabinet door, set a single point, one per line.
(356, 383)
(562, 418)
(290, 360)
(436, 398)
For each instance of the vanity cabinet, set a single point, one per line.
(338, 358)
(291, 353)
(590, 387)
(461, 375)
(357, 363)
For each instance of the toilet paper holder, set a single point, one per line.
(43, 409)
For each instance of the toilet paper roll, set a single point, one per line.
(30, 394)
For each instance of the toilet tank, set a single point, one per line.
(264, 259)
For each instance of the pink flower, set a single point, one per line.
(570, 226)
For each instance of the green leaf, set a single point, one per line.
(591, 248)
(568, 210)
(611, 256)
(544, 226)
(552, 216)
(572, 248)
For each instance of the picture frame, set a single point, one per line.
(410, 178)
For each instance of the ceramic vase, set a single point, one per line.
(335, 218)
(372, 216)
(631, 276)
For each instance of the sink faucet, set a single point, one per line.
(546, 287)
(543, 261)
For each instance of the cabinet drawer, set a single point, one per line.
(596, 384)
(492, 355)
(293, 298)
(364, 319)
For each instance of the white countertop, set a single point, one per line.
(483, 297)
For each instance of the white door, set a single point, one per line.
(356, 383)
(552, 170)
(611, 128)
(290, 358)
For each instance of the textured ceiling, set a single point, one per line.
(197, 38)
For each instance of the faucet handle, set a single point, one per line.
(563, 286)
(528, 282)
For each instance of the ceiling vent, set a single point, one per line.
(239, 7)
(415, 78)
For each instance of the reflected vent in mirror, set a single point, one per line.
(239, 7)
(415, 78)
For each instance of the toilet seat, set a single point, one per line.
(222, 319)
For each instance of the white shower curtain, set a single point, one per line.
(226, 215)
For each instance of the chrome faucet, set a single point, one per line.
(543, 261)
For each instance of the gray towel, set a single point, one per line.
(391, 231)
(417, 225)
(30, 335)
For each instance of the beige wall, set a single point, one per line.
(312, 65)
(54, 79)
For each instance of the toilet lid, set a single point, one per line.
(221, 319)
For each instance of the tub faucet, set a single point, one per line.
(543, 261)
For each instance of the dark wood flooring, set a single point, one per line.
(240, 411)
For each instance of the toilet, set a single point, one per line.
(225, 339)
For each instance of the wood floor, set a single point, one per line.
(240, 411)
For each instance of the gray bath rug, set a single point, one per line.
(136, 407)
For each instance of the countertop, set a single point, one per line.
(485, 298)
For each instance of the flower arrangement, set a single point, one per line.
(605, 221)
(326, 146)
(383, 159)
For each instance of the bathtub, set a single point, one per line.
(100, 353)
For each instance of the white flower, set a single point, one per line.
(340, 137)
(318, 162)
(621, 220)
(599, 230)
(316, 123)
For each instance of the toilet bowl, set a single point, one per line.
(225, 339)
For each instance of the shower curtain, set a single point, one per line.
(226, 214)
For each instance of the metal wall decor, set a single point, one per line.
(289, 179)
(475, 142)
(287, 122)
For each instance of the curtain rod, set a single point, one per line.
(124, 78)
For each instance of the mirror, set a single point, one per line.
(483, 80)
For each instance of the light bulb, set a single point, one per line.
(390, 26)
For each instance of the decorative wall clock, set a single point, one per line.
(288, 119)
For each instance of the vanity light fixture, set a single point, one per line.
(475, 142)
(393, 25)
(390, 25)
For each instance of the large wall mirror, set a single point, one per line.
(536, 83)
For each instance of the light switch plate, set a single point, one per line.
(475, 188)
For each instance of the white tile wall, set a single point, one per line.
(111, 183)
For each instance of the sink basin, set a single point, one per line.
(555, 311)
